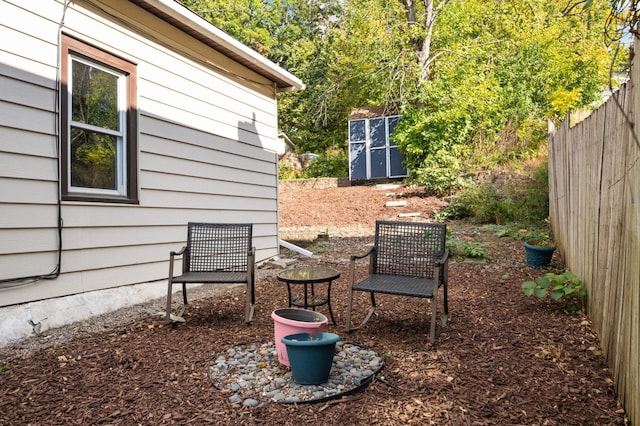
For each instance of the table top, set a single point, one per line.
(308, 275)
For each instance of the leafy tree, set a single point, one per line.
(293, 34)
(497, 69)
(474, 80)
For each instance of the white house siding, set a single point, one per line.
(207, 138)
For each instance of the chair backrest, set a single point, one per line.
(408, 248)
(217, 247)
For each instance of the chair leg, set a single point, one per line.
(184, 302)
(349, 305)
(184, 294)
(250, 314)
(167, 318)
(372, 309)
(179, 315)
(251, 288)
(249, 304)
(434, 309)
(445, 291)
(446, 305)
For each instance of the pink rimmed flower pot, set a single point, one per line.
(288, 321)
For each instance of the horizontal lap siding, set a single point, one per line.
(28, 166)
(206, 151)
(180, 167)
(93, 280)
(27, 142)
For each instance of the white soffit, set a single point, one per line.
(184, 19)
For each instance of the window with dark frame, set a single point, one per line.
(372, 152)
(99, 147)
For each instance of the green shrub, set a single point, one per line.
(455, 210)
(440, 174)
(518, 231)
(534, 206)
(486, 205)
(565, 287)
(328, 165)
(474, 249)
(285, 171)
(332, 163)
(527, 203)
(467, 249)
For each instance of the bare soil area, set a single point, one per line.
(502, 359)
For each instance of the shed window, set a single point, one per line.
(99, 125)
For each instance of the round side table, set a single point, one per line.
(308, 277)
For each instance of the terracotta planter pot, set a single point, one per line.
(294, 321)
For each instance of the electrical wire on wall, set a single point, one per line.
(21, 281)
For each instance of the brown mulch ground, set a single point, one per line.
(502, 359)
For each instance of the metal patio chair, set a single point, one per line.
(407, 259)
(216, 253)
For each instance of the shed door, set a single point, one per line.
(371, 153)
(358, 149)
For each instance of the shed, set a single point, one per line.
(121, 121)
(372, 152)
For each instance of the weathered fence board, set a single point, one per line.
(594, 194)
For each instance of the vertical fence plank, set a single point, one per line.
(611, 187)
(594, 196)
(631, 293)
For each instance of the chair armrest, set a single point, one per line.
(251, 261)
(178, 253)
(442, 271)
(443, 260)
(369, 253)
(172, 256)
(363, 255)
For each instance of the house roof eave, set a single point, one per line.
(197, 27)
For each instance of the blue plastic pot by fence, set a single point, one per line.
(311, 357)
(538, 256)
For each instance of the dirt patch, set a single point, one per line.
(502, 358)
(350, 211)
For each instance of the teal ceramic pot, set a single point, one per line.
(311, 357)
(538, 256)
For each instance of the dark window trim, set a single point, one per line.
(72, 45)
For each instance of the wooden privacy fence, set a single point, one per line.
(594, 194)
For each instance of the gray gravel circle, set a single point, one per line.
(252, 376)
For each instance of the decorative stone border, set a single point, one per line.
(253, 376)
